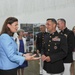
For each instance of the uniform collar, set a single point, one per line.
(64, 30)
(43, 32)
(54, 33)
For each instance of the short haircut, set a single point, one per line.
(53, 20)
(63, 20)
(42, 25)
(21, 30)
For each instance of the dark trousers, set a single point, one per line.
(8, 72)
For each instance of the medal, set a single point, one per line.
(55, 47)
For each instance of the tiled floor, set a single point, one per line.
(33, 68)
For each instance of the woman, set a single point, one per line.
(10, 58)
(72, 65)
(21, 41)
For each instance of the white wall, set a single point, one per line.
(40, 17)
(68, 13)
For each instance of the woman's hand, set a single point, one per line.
(29, 57)
(27, 54)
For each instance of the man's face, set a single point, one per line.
(74, 30)
(60, 24)
(49, 25)
(42, 28)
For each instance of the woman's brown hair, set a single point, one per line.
(5, 28)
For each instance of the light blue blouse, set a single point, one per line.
(10, 58)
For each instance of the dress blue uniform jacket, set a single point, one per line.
(10, 58)
(55, 46)
(70, 41)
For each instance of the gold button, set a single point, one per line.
(50, 36)
(48, 45)
(48, 49)
(55, 43)
(49, 40)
